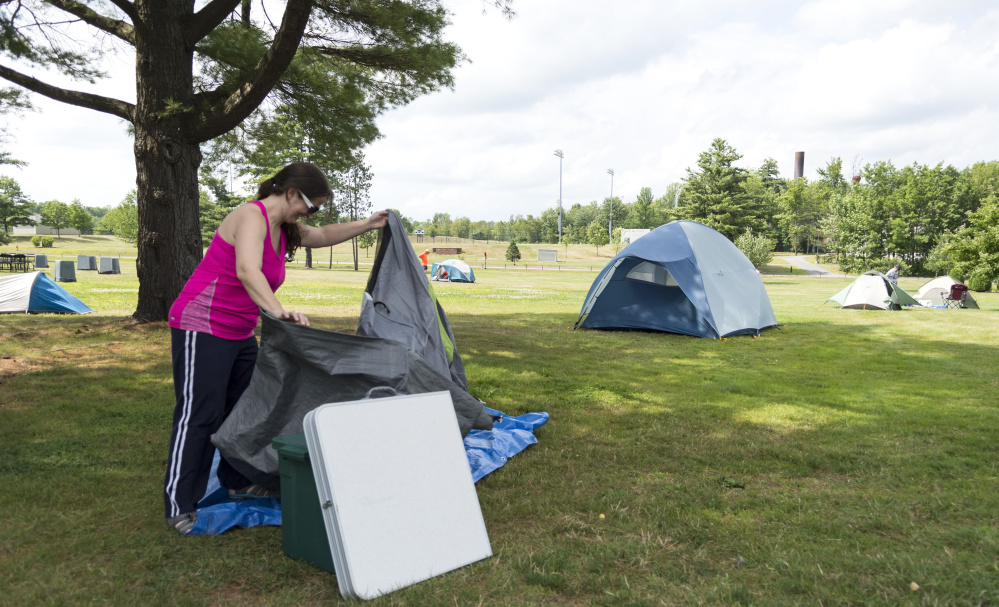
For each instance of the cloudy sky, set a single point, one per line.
(640, 88)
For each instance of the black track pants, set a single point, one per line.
(209, 375)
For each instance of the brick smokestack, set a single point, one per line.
(799, 164)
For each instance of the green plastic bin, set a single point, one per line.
(303, 531)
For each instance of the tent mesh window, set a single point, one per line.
(647, 271)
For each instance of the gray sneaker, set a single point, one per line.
(184, 523)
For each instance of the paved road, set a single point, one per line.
(799, 261)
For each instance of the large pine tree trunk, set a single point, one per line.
(169, 239)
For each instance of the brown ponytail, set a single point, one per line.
(308, 179)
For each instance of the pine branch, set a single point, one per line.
(246, 98)
(115, 27)
(209, 17)
(106, 105)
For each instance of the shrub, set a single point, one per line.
(957, 274)
(980, 281)
(36, 240)
(758, 249)
(47, 241)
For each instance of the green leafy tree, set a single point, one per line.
(715, 194)
(596, 235)
(901, 214)
(56, 215)
(462, 227)
(665, 209)
(355, 185)
(79, 217)
(642, 213)
(513, 252)
(832, 176)
(15, 207)
(940, 261)
(210, 216)
(616, 244)
(98, 212)
(975, 248)
(407, 223)
(526, 229)
(123, 220)
(366, 241)
(800, 212)
(442, 224)
(202, 68)
(577, 221)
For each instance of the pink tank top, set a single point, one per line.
(214, 300)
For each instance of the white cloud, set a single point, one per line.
(641, 89)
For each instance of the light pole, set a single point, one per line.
(610, 223)
(560, 157)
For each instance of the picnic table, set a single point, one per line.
(16, 262)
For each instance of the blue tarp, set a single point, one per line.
(487, 450)
(35, 292)
(47, 296)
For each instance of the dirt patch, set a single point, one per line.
(14, 365)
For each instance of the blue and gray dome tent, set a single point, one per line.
(452, 270)
(682, 277)
(35, 292)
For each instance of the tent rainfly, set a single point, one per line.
(932, 294)
(403, 342)
(452, 270)
(34, 292)
(873, 291)
(682, 277)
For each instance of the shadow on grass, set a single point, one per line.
(841, 459)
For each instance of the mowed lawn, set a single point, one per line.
(845, 458)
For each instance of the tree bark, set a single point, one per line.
(169, 239)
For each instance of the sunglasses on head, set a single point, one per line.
(310, 209)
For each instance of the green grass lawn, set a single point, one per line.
(835, 460)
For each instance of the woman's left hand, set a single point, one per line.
(377, 220)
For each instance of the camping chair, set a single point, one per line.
(957, 296)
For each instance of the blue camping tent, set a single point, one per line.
(35, 292)
(682, 277)
(452, 270)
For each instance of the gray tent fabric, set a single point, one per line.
(400, 304)
(299, 368)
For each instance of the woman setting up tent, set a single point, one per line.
(212, 323)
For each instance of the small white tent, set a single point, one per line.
(932, 294)
(873, 291)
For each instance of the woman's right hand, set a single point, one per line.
(291, 316)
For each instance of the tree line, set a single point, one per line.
(18, 209)
(927, 219)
